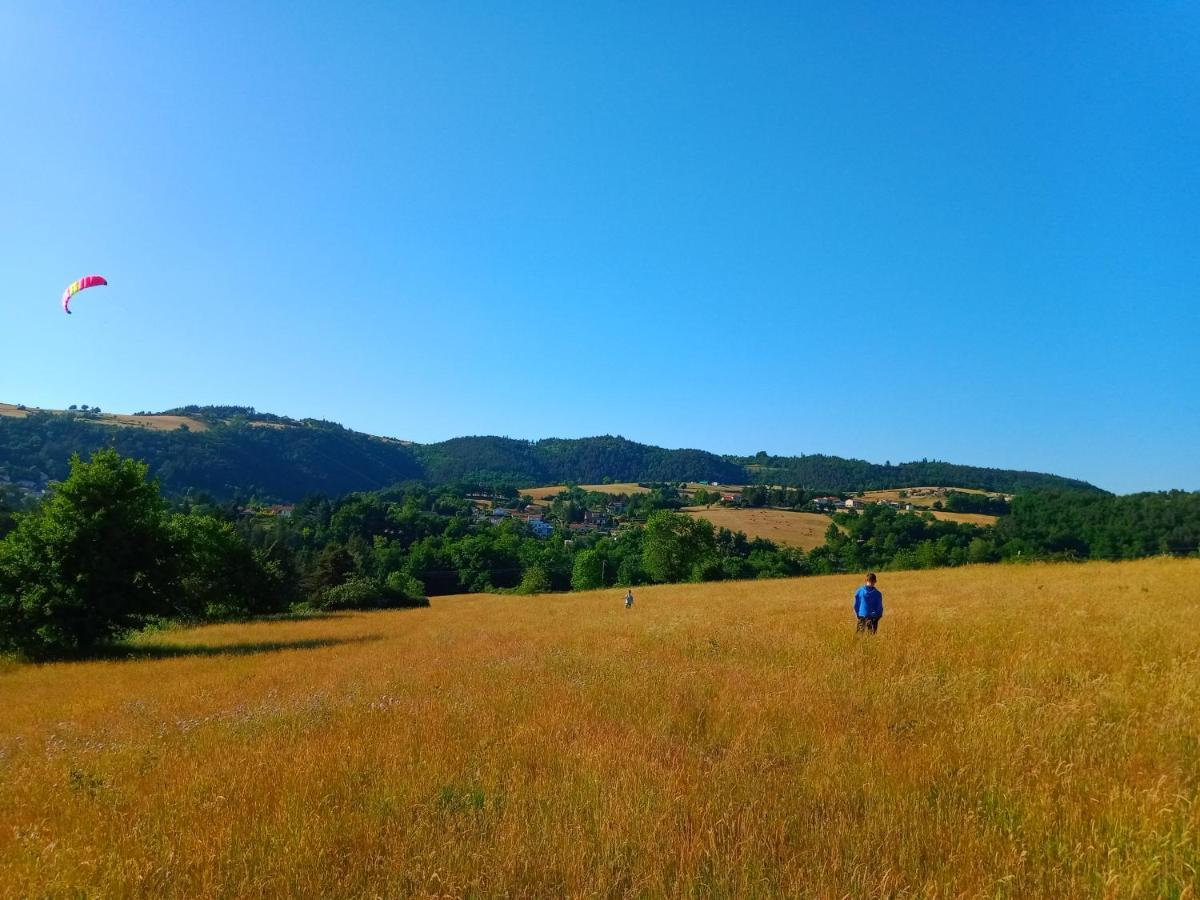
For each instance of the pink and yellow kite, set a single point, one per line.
(75, 287)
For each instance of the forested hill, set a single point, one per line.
(238, 457)
(834, 473)
(237, 451)
(583, 460)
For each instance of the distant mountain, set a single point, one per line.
(581, 460)
(232, 451)
(834, 473)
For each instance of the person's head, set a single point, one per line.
(871, 578)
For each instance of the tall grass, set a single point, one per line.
(1013, 731)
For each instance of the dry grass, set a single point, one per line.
(1011, 732)
(921, 500)
(966, 518)
(13, 411)
(924, 503)
(549, 491)
(796, 529)
(153, 423)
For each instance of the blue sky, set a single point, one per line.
(957, 231)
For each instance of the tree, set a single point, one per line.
(93, 561)
(674, 544)
(334, 566)
(588, 572)
(219, 575)
(536, 580)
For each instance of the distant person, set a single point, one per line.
(629, 599)
(868, 606)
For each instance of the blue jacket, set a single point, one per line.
(868, 601)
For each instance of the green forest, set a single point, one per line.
(244, 453)
(105, 552)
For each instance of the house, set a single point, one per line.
(731, 496)
(541, 528)
(279, 509)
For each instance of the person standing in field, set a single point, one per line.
(868, 606)
(629, 599)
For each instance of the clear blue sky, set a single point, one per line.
(959, 231)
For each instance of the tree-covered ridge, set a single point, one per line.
(556, 460)
(243, 452)
(838, 475)
(229, 459)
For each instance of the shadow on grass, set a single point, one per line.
(150, 650)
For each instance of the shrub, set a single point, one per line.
(363, 593)
(536, 580)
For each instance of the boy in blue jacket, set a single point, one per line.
(868, 606)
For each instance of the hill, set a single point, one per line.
(839, 475)
(238, 451)
(224, 457)
(1023, 731)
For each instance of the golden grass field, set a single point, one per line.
(154, 423)
(796, 529)
(549, 491)
(924, 499)
(923, 504)
(1012, 731)
(966, 518)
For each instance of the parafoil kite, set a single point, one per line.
(75, 287)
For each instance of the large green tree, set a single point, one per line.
(94, 560)
(677, 547)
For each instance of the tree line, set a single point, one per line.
(105, 552)
(292, 458)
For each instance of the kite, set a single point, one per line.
(75, 287)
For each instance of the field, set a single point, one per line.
(1012, 731)
(924, 500)
(966, 518)
(918, 496)
(796, 529)
(549, 491)
(154, 423)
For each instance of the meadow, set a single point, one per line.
(1012, 731)
(783, 526)
(151, 422)
(924, 500)
(550, 491)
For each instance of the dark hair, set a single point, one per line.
(871, 577)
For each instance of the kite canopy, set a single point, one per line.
(75, 287)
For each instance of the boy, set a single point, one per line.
(868, 606)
